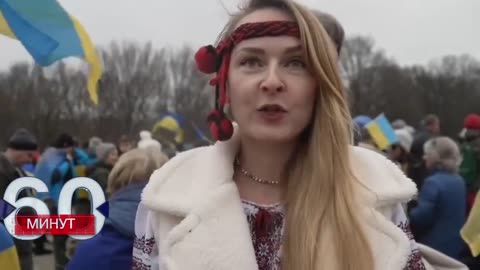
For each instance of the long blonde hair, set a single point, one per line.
(134, 166)
(323, 229)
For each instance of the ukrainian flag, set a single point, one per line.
(49, 34)
(382, 132)
(173, 123)
(8, 252)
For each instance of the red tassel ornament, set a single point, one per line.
(206, 59)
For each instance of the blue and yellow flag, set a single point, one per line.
(8, 252)
(471, 230)
(50, 34)
(382, 132)
(174, 123)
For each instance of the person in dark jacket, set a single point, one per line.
(114, 244)
(20, 150)
(469, 139)
(441, 210)
(107, 156)
(399, 152)
(55, 167)
(430, 128)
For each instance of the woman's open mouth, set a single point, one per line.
(272, 112)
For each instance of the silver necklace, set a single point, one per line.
(253, 177)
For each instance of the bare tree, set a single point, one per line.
(358, 54)
(135, 78)
(192, 95)
(140, 84)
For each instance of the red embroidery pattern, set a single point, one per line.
(146, 246)
(266, 227)
(143, 244)
(139, 265)
(415, 259)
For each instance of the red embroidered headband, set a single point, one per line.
(211, 59)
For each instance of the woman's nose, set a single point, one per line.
(272, 82)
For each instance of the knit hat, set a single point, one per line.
(146, 141)
(472, 121)
(405, 139)
(93, 143)
(103, 150)
(361, 120)
(399, 124)
(64, 140)
(23, 140)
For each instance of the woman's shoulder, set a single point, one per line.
(180, 161)
(445, 178)
(381, 177)
(110, 244)
(178, 174)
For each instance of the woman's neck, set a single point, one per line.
(267, 162)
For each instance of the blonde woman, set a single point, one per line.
(283, 188)
(112, 248)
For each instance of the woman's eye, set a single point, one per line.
(251, 62)
(297, 63)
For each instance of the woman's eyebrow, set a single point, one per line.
(252, 50)
(293, 49)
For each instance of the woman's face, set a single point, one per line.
(429, 160)
(125, 147)
(272, 93)
(395, 152)
(112, 157)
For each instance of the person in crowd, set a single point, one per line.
(399, 152)
(470, 149)
(8, 252)
(55, 167)
(107, 156)
(125, 144)
(81, 157)
(92, 146)
(20, 150)
(361, 135)
(113, 246)
(39, 248)
(440, 212)
(146, 141)
(283, 186)
(366, 141)
(430, 128)
(29, 168)
(401, 124)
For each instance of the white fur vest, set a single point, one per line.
(198, 220)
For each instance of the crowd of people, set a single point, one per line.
(283, 187)
(446, 172)
(121, 169)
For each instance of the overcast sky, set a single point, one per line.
(411, 31)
